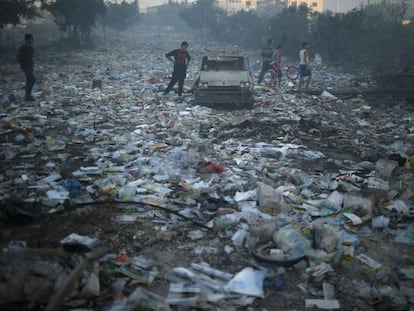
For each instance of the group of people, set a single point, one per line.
(271, 59)
(179, 57)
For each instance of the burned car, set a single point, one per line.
(224, 82)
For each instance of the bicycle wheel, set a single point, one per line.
(292, 73)
(272, 76)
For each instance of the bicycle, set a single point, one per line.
(276, 73)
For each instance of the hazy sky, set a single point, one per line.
(343, 5)
(147, 3)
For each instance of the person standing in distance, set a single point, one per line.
(304, 69)
(267, 53)
(25, 59)
(180, 58)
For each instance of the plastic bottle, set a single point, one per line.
(204, 268)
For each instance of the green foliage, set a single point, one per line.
(203, 14)
(371, 35)
(169, 15)
(290, 28)
(12, 10)
(77, 17)
(243, 28)
(270, 10)
(348, 32)
(121, 16)
(237, 28)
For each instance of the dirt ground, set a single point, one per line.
(143, 238)
(167, 241)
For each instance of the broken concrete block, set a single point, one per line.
(268, 198)
(378, 187)
(385, 167)
(361, 204)
(378, 183)
(322, 304)
(239, 120)
(408, 194)
(262, 229)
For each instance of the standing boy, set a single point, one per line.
(25, 59)
(181, 60)
(304, 69)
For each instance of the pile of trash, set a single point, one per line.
(296, 187)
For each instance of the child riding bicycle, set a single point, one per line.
(276, 65)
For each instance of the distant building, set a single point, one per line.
(153, 9)
(314, 5)
(234, 6)
(144, 5)
(266, 3)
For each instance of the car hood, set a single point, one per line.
(224, 78)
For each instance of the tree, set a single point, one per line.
(372, 35)
(202, 15)
(167, 15)
(243, 28)
(341, 37)
(271, 9)
(75, 17)
(290, 28)
(12, 10)
(396, 12)
(121, 16)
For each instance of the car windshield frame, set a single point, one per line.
(223, 63)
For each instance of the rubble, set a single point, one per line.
(191, 202)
